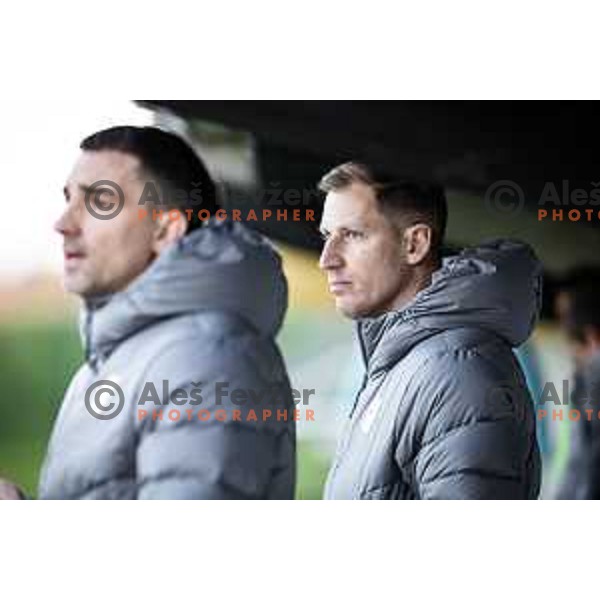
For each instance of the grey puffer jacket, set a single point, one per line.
(201, 320)
(444, 411)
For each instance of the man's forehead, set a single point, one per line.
(353, 206)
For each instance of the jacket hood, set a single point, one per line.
(494, 287)
(222, 266)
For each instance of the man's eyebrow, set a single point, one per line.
(346, 227)
(84, 188)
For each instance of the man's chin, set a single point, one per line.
(76, 285)
(356, 311)
(347, 309)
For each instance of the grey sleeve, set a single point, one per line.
(475, 445)
(471, 461)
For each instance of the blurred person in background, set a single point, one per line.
(578, 309)
(165, 300)
(444, 411)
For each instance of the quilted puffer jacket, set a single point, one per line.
(444, 411)
(201, 319)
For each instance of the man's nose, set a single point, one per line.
(69, 221)
(330, 256)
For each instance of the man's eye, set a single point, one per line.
(352, 235)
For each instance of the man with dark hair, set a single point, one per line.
(444, 411)
(178, 321)
(578, 309)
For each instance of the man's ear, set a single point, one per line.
(167, 231)
(417, 243)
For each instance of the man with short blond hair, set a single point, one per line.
(444, 411)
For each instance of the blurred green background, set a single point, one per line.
(36, 362)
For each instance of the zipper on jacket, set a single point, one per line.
(363, 385)
(91, 356)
